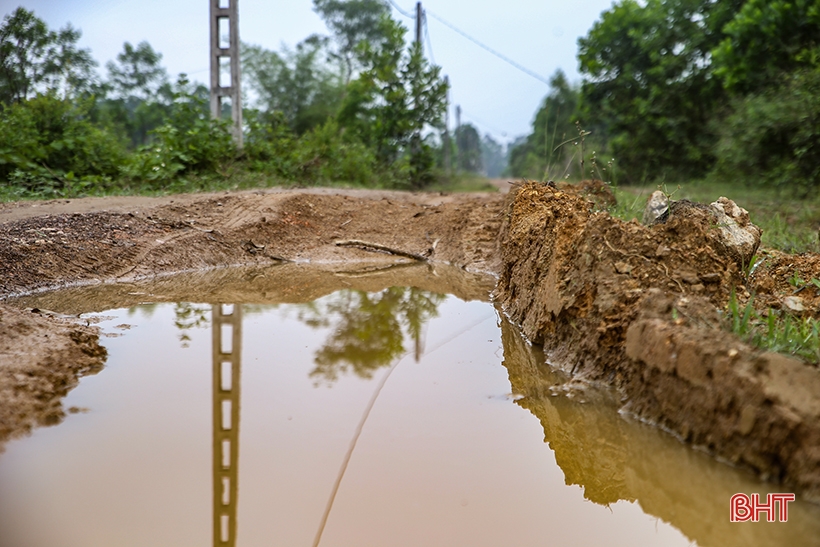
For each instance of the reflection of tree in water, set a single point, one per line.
(145, 310)
(369, 328)
(190, 316)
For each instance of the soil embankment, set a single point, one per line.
(637, 307)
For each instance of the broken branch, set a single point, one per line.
(367, 246)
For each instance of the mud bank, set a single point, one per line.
(636, 307)
(42, 358)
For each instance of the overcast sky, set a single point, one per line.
(498, 98)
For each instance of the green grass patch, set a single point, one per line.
(235, 177)
(776, 331)
(463, 182)
(789, 224)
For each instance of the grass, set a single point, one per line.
(776, 331)
(463, 182)
(789, 224)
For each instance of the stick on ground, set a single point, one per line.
(368, 246)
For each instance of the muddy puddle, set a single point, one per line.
(373, 406)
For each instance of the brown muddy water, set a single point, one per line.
(298, 407)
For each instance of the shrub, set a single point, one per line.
(48, 145)
(190, 141)
(771, 137)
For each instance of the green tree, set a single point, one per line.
(541, 155)
(353, 22)
(299, 83)
(390, 105)
(468, 144)
(648, 77)
(493, 157)
(770, 137)
(766, 39)
(35, 59)
(137, 72)
(137, 97)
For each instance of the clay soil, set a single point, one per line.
(611, 302)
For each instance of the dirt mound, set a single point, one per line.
(595, 190)
(637, 307)
(232, 229)
(41, 359)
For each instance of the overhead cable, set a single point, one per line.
(405, 13)
(427, 36)
(469, 116)
(488, 48)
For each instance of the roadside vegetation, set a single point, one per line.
(682, 90)
(360, 107)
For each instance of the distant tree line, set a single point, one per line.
(360, 106)
(683, 89)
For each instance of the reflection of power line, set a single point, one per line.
(363, 421)
(226, 325)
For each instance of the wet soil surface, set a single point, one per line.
(619, 303)
(117, 241)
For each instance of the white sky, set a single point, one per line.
(496, 97)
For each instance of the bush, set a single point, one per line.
(771, 137)
(321, 155)
(48, 145)
(189, 142)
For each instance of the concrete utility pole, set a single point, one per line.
(225, 20)
(458, 131)
(419, 15)
(447, 126)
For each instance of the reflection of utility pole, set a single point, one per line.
(226, 325)
(225, 53)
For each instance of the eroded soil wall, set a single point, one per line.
(637, 307)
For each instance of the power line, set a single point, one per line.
(427, 36)
(469, 116)
(488, 48)
(405, 13)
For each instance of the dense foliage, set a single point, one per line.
(681, 89)
(360, 106)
